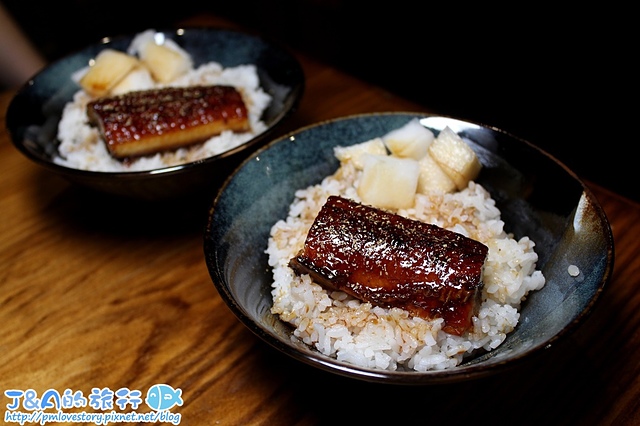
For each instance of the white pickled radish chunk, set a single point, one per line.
(138, 79)
(110, 66)
(165, 63)
(455, 157)
(388, 182)
(409, 141)
(354, 152)
(432, 177)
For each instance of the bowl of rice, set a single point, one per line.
(550, 253)
(48, 120)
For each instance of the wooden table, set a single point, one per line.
(96, 296)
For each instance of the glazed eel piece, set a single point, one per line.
(392, 261)
(149, 121)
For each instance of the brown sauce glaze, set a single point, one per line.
(392, 261)
(149, 121)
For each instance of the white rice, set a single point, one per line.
(358, 333)
(81, 146)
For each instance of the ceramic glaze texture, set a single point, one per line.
(538, 197)
(35, 110)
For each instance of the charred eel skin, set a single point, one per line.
(148, 121)
(392, 261)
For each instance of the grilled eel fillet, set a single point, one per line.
(391, 261)
(148, 121)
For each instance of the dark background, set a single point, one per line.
(559, 78)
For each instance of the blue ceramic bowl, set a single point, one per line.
(36, 109)
(536, 194)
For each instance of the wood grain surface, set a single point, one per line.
(100, 293)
